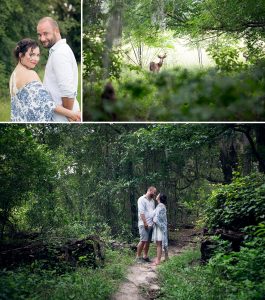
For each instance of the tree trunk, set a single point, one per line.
(228, 158)
(114, 32)
(134, 216)
(258, 149)
(260, 140)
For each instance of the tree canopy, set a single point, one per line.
(102, 175)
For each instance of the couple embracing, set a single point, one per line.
(152, 223)
(55, 98)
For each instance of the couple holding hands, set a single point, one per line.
(54, 100)
(152, 224)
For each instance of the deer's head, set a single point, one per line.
(162, 56)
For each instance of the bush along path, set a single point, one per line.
(142, 279)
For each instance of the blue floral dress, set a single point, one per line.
(31, 103)
(160, 227)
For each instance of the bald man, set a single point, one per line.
(61, 72)
(146, 206)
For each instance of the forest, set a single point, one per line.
(136, 69)
(18, 20)
(68, 208)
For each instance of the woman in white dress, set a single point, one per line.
(160, 228)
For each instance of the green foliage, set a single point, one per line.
(238, 204)
(68, 14)
(26, 168)
(244, 265)
(5, 111)
(227, 58)
(212, 18)
(237, 275)
(228, 275)
(190, 283)
(68, 229)
(260, 230)
(181, 95)
(186, 95)
(4, 83)
(94, 55)
(101, 59)
(82, 283)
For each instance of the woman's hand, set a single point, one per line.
(75, 117)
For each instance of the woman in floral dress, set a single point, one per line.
(160, 236)
(30, 101)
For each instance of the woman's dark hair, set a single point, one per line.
(163, 198)
(23, 46)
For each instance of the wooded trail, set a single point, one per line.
(142, 279)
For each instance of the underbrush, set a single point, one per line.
(179, 95)
(33, 282)
(227, 276)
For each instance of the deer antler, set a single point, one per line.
(162, 56)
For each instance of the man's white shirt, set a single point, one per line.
(61, 76)
(146, 207)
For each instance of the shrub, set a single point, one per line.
(239, 204)
(181, 95)
(81, 283)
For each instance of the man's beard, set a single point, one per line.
(49, 44)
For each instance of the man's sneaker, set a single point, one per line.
(147, 259)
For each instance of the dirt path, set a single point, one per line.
(141, 280)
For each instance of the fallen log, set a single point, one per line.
(208, 245)
(88, 251)
(236, 238)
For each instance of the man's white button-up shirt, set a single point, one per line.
(61, 76)
(146, 206)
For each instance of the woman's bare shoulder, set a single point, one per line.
(26, 77)
(33, 75)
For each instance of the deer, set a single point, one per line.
(155, 67)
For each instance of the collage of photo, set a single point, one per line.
(132, 150)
